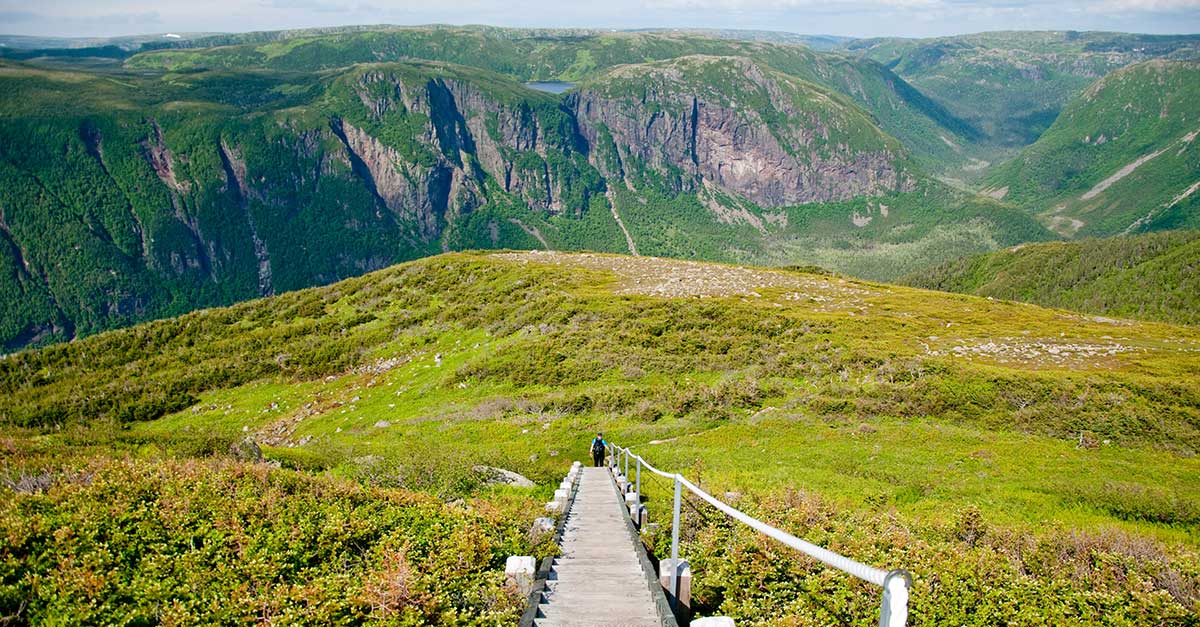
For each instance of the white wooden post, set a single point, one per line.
(519, 571)
(677, 582)
(639, 515)
(713, 621)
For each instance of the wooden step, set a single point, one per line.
(598, 580)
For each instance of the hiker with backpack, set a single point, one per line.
(598, 446)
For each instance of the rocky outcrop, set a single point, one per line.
(417, 194)
(235, 181)
(161, 159)
(246, 450)
(505, 138)
(499, 476)
(196, 257)
(776, 154)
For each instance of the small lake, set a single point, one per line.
(551, 87)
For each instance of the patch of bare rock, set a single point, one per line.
(674, 278)
(1034, 352)
(500, 476)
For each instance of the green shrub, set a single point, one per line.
(138, 542)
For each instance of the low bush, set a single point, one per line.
(215, 542)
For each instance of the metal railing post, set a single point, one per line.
(675, 545)
(626, 464)
(893, 612)
(639, 479)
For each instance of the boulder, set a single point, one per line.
(246, 450)
(500, 476)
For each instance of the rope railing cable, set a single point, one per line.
(894, 583)
(647, 466)
(844, 564)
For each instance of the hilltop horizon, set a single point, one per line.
(18, 40)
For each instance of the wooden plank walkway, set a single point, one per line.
(598, 580)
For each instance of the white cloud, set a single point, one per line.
(1153, 5)
(838, 17)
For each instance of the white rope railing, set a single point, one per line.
(895, 583)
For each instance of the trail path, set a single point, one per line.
(598, 580)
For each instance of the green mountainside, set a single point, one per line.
(213, 169)
(1012, 85)
(1152, 276)
(1121, 158)
(1001, 452)
(130, 195)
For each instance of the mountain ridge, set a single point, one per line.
(529, 55)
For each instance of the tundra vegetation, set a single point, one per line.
(1031, 466)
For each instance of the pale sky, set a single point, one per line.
(859, 18)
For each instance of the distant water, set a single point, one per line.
(553, 87)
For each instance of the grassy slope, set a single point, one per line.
(1149, 276)
(1144, 111)
(896, 425)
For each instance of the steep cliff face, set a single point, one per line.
(772, 139)
(517, 144)
(117, 214)
(415, 193)
(433, 142)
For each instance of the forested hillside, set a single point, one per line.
(1011, 86)
(1122, 157)
(1152, 277)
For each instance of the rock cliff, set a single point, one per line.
(772, 139)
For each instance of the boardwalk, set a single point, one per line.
(598, 580)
